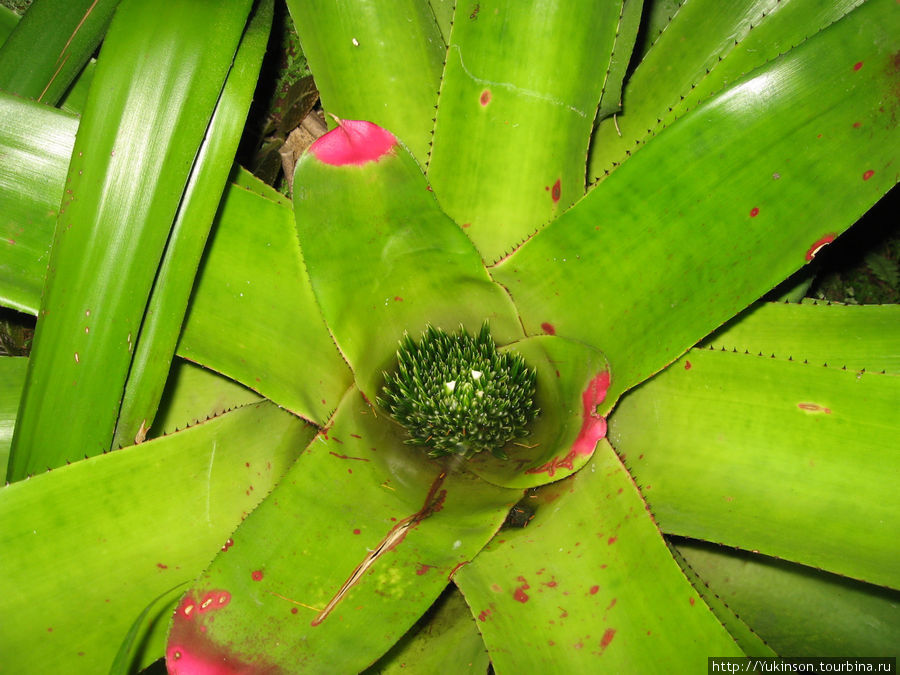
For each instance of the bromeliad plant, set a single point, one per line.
(279, 520)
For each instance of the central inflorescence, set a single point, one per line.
(457, 395)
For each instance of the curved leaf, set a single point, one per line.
(724, 445)
(518, 98)
(86, 547)
(588, 585)
(354, 544)
(369, 227)
(156, 84)
(723, 205)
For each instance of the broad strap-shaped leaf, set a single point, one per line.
(749, 642)
(725, 446)
(382, 256)
(705, 46)
(445, 640)
(354, 544)
(35, 143)
(271, 306)
(175, 279)
(12, 379)
(253, 281)
(155, 88)
(722, 206)
(520, 90)
(588, 584)
(393, 53)
(855, 337)
(798, 610)
(68, 32)
(86, 547)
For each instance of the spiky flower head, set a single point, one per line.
(457, 395)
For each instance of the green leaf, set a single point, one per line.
(253, 286)
(368, 231)
(721, 206)
(172, 288)
(35, 143)
(517, 105)
(88, 546)
(361, 510)
(855, 337)
(50, 46)
(588, 582)
(156, 85)
(444, 640)
(129, 650)
(393, 53)
(797, 610)
(706, 46)
(12, 379)
(724, 445)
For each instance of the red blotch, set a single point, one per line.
(191, 651)
(519, 594)
(611, 541)
(456, 567)
(465, 226)
(857, 65)
(356, 531)
(692, 601)
(594, 590)
(868, 174)
(687, 365)
(485, 97)
(422, 569)
(293, 610)
(607, 638)
(754, 212)
(228, 544)
(161, 566)
(556, 192)
(256, 575)
(811, 253)
(353, 142)
(483, 615)
(611, 604)
(593, 427)
(857, 125)
(397, 298)
(548, 328)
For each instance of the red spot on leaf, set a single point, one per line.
(548, 328)
(594, 590)
(256, 575)
(607, 637)
(687, 365)
(353, 142)
(692, 600)
(485, 97)
(868, 174)
(556, 191)
(397, 298)
(356, 531)
(857, 65)
(754, 212)
(612, 603)
(161, 566)
(811, 253)
(519, 594)
(293, 610)
(422, 569)
(611, 541)
(453, 571)
(857, 125)
(484, 614)
(228, 544)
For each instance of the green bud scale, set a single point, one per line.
(457, 395)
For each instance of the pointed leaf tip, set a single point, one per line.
(355, 142)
